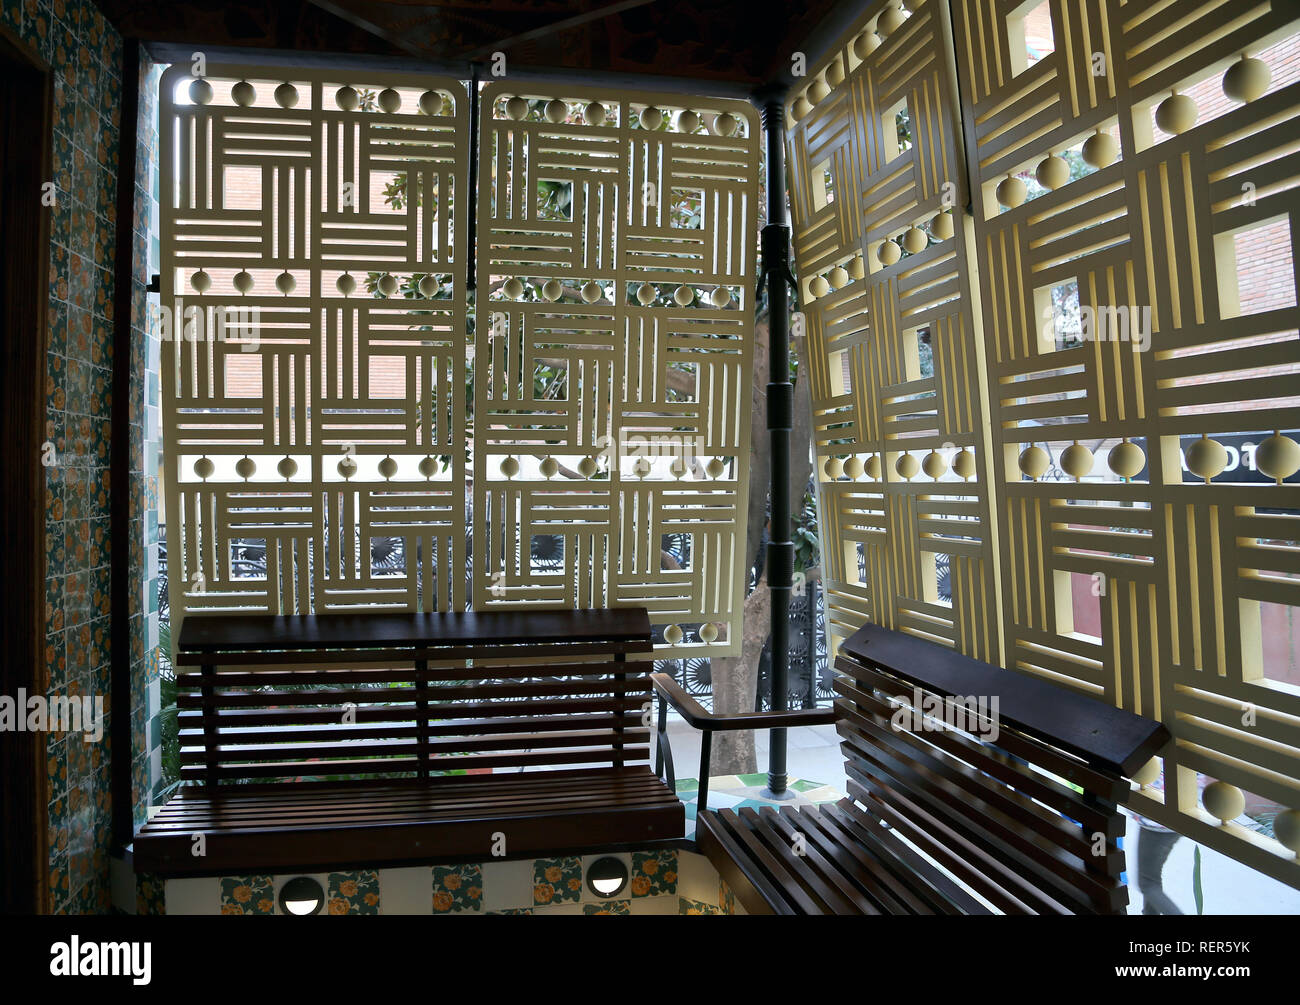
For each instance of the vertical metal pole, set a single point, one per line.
(780, 420)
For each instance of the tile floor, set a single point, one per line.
(736, 791)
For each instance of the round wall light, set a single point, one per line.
(301, 895)
(606, 877)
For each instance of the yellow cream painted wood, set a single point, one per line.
(1116, 155)
(900, 434)
(306, 413)
(638, 288)
(331, 407)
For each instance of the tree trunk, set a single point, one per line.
(733, 751)
(735, 678)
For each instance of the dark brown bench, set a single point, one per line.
(327, 741)
(941, 820)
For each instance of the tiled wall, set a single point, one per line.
(84, 54)
(661, 882)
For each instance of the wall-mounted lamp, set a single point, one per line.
(606, 877)
(301, 895)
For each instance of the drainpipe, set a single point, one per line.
(780, 420)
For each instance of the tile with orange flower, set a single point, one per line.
(247, 895)
(654, 873)
(457, 888)
(557, 880)
(688, 906)
(354, 892)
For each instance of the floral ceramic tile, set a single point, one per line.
(688, 906)
(457, 888)
(353, 892)
(608, 907)
(513, 910)
(557, 880)
(150, 895)
(654, 873)
(247, 895)
(59, 886)
(726, 897)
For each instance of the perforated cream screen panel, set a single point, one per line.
(616, 255)
(894, 355)
(324, 451)
(298, 418)
(1129, 255)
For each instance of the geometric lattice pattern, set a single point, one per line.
(1130, 577)
(893, 352)
(326, 402)
(1130, 179)
(616, 258)
(314, 251)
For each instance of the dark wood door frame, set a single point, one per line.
(26, 144)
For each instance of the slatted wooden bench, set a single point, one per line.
(328, 741)
(1021, 818)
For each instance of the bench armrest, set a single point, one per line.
(670, 693)
(695, 714)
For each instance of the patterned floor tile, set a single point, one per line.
(733, 792)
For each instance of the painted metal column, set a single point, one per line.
(780, 420)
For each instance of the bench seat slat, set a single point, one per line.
(914, 876)
(457, 674)
(235, 732)
(862, 862)
(758, 892)
(507, 712)
(826, 861)
(428, 821)
(390, 798)
(396, 801)
(402, 631)
(765, 830)
(383, 748)
(243, 699)
(505, 653)
(396, 765)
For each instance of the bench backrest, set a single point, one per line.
(1012, 790)
(386, 696)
